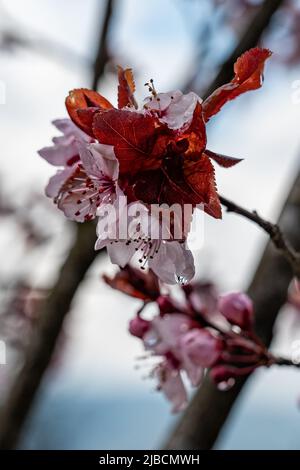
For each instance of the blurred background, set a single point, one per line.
(93, 395)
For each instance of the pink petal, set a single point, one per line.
(68, 128)
(201, 347)
(80, 196)
(237, 308)
(171, 384)
(167, 330)
(57, 181)
(174, 108)
(64, 152)
(174, 263)
(120, 253)
(99, 160)
(194, 372)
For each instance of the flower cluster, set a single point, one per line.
(155, 154)
(203, 333)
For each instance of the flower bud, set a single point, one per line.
(165, 304)
(237, 308)
(138, 327)
(224, 375)
(201, 347)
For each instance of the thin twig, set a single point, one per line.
(282, 361)
(250, 38)
(273, 230)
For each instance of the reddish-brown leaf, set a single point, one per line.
(126, 88)
(223, 160)
(136, 283)
(139, 141)
(248, 76)
(195, 134)
(85, 117)
(200, 176)
(82, 104)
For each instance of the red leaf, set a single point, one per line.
(126, 88)
(248, 76)
(82, 104)
(136, 283)
(223, 160)
(200, 175)
(181, 182)
(161, 187)
(86, 116)
(139, 141)
(195, 134)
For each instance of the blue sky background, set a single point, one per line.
(96, 399)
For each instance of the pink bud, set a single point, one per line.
(223, 377)
(237, 308)
(222, 373)
(138, 327)
(165, 305)
(201, 347)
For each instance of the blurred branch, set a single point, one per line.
(273, 230)
(14, 35)
(282, 361)
(57, 305)
(203, 420)
(249, 39)
(9, 41)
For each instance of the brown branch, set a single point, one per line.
(44, 338)
(203, 420)
(57, 305)
(282, 361)
(273, 230)
(102, 55)
(250, 39)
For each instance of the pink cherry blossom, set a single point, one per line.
(89, 174)
(64, 151)
(138, 327)
(165, 333)
(201, 347)
(91, 183)
(189, 339)
(173, 108)
(171, 384)
(165, 338)
(170, 259)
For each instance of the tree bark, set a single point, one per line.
(205, 416)
(203, 420)
(57, 305)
